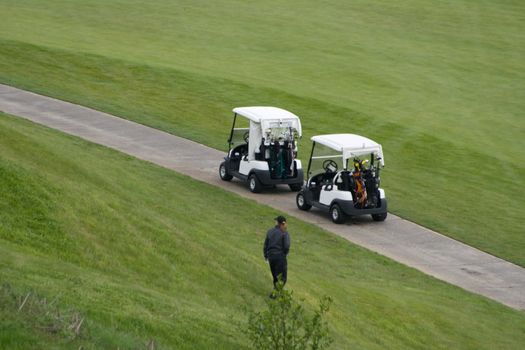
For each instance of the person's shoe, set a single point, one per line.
(272, 295)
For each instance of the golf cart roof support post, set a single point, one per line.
(231, 133)
(310, 161)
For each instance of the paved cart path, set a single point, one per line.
(401, 240)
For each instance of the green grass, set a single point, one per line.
(440, 85)
(103, 236)
(465, 191)
(441, 66)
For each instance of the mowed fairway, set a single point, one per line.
(439, 84)
(134, 250)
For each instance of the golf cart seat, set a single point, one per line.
(328, 177)
(322, 179)
(239, 152)
(318, 181)
(344, 180)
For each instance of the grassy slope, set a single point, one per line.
(429, 179)
(103, 234)
(440, 85)
(444, 66)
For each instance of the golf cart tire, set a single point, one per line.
(379, 217)
(254, 184)
(337, 214)
(223, 173)
(301, 202)
(296, 187)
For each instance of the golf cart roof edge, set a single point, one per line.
(258, 113)
(340, 141)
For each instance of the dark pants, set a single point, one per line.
(279, 267)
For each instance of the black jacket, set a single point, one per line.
(277, 243)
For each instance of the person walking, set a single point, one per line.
(276, 248)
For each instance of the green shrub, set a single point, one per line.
(284, 325)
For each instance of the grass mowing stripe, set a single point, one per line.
(140, 268)
(454, 67)
(469, 193)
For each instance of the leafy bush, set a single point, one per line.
(284, 325)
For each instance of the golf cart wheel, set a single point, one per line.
(379, 217)
(254, 184)
(301, 202)
(296, 187)
(223, 173)
(337, 215)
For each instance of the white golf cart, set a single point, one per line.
(264, 152)
(341, 188)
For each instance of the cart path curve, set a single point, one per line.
(398, 239)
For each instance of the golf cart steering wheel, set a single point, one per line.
(330, 166)
(246, 136)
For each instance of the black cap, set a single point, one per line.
(280, 219)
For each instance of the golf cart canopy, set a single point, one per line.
(271, 117)
(350, 145)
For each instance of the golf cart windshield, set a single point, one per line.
(322, 159)
(239, 136)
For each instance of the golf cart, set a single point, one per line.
(343, 177)
(264, 151)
